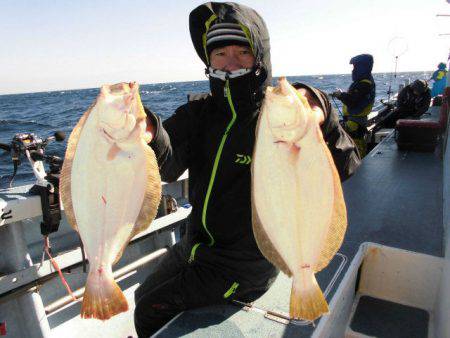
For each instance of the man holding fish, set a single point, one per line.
(213, 136)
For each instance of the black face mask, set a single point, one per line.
(247, 91)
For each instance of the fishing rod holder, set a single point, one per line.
(47, 184)
(51, 209)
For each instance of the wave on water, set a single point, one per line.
(150, 92)
(46, 112)
(25, 123)
(21, 178)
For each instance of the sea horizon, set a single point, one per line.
(189, 81)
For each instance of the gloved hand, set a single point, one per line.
(337, 94)
(151, 122)
(314, 105)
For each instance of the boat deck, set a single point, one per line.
(395, 199)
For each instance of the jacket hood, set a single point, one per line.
(442, 66)
(362, 66)
(202, 17)
(421, 86)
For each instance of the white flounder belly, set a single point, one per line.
(107, 194)
(293, 194)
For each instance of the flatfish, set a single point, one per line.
(110, 188)
(299, 214)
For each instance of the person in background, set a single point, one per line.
(440, 79)
(412, 102)
(218, 259)
(358, 100)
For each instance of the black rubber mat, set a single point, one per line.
(383, 319)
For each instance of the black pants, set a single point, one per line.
(176, 286)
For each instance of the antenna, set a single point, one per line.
(397, 46)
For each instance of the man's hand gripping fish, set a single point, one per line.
(299, 213)
(110, 188)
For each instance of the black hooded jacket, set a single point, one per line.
(213, 136)
(412, 104)
(360, 96)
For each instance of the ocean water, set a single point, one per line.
(46, 112)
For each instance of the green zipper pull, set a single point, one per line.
(231, 290)
(192, 256)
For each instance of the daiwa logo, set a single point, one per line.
(243, 159)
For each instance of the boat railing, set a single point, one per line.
(18, 272)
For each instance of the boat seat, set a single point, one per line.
(407, 123)
(417, 135)
(422, 134)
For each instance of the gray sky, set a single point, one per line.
(52, 45)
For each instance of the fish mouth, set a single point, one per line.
(109, 137)
(108, 130)
(291, 147)
(286, 143)
(118, 89)
(112, 139)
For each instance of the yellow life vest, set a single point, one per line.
(441, 74)
(361, 115)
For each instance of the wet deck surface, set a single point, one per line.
(395, 199)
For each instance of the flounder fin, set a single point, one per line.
(338, 226)
(307, 300)
(151, 200)
(152, 195)
(141, 112)
(65, 189)
(102, 298)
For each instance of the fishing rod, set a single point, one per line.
(389, 92)
(336, 105)
(32, 147)
(398, 46)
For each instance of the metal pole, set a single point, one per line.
(33, 323)
(33, 315)
(14, 248)
(185, 189)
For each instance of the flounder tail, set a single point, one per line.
(103, 298)
(307, 299)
